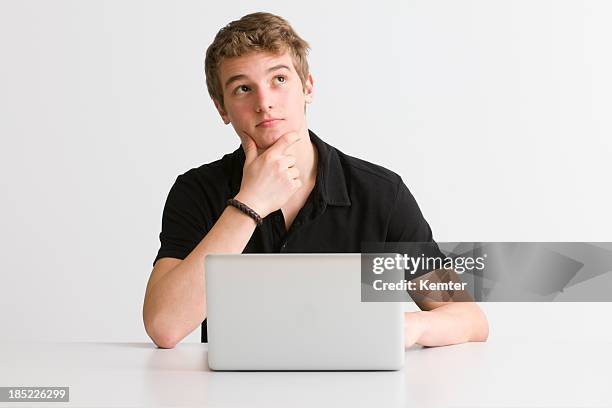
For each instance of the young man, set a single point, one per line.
(289, 191)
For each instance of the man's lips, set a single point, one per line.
(268, 122)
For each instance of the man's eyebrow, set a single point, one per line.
(242, 76)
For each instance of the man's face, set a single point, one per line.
(260, 86)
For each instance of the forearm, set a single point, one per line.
(452, 323)
(175, 305)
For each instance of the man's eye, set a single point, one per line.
(241, 89)
(281, 79)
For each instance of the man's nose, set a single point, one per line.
(264, 100)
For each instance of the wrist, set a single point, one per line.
(251, 203)
(246, 210)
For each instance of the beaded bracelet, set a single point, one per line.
(245, 209)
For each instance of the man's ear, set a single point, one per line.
(309, 89)
(221, 112)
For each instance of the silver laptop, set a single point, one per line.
(297, 312)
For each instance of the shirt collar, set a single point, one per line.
(331, 181)
(330, 186)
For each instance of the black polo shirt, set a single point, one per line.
(353, 201)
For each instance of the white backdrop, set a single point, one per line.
(495, 113)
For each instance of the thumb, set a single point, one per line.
(249, 147)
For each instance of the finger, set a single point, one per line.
(249, 147)
(284, 142)
(286, 162)
(297, 183)
(292, 173)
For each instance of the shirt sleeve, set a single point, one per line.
(186, 219)
(406, 223)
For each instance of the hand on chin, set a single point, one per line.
(267, 139)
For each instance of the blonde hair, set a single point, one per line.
(261, 32)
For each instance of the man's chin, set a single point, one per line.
(266, 140)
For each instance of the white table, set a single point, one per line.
(503, 372)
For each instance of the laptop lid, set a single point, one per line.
(297, 312)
